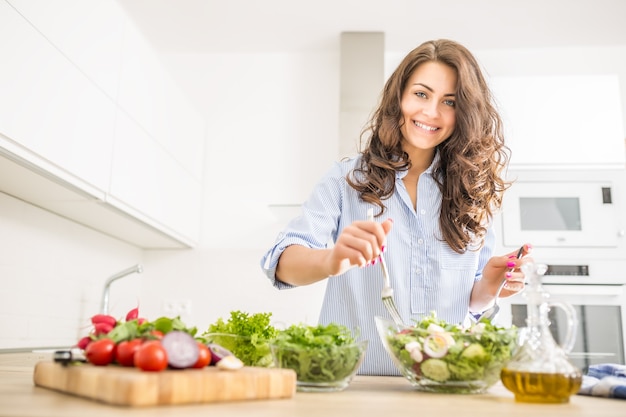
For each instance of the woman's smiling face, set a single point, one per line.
(428, 106)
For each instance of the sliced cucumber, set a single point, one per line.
(474, 351)
(435, 369)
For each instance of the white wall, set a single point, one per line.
(273, 129)
(52, 273)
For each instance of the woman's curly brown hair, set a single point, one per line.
(471, 159)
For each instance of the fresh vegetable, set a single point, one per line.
(118, 341)
(83, 342)
(125, 351)
(435, 369)
(181, 348)
(151, 356)
(100, 352)
(230, 363)
(132, 314)
(104, 318)
(218, 352)
(445, 352)
(204, 356)
(246, 335)
(102, 328)
(318, 353)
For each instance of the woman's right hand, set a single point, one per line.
(359, 244)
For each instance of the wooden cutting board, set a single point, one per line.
(132, 387)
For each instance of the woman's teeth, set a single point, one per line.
(423, 126)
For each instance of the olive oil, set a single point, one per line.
(539, 387)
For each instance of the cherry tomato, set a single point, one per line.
(100, 352)
(151, 356)
(125, 351)
(204, 356)
(155, 334)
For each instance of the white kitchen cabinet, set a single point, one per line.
(566, 121)
(149, 95)
(49, 108)
(70, 145)
(148, 182)
(88, 33)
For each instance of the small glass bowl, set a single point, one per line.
(324, 369)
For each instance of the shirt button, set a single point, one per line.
(420, 241)
(418, 270)
(422, 211)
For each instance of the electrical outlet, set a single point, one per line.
(174, 308)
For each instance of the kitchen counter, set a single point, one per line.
(366, 396)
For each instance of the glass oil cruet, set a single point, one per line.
(539, 371)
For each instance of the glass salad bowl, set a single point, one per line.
(439, 357)
(325, 358)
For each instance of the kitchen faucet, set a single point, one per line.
(104, 307)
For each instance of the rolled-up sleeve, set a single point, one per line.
(315, 227)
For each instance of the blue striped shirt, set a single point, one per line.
(426, 274)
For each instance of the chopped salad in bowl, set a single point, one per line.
(437, 356)
(324, 357)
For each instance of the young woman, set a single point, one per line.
(431, 169)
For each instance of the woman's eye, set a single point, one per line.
(450, 103)
(421, 94)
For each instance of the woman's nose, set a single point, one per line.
(431, 108)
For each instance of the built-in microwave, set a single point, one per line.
(575, 220)
(564, 210)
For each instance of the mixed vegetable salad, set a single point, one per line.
(442, 352)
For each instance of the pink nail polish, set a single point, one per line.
(512, 257)
(508, 275)
(382, 248)
(510, 264)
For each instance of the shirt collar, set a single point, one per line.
(429, 170)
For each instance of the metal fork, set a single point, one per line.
(387, 292)
(491, 312)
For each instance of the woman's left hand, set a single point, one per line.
(506, 267)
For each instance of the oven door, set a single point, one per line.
(601, 315)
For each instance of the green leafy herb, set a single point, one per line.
(132, 329)
(318, 353)
(246, 335)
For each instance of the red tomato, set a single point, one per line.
(151, 356)
(100, 352)
(156, 334)
(125, 351)
(204, 356)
